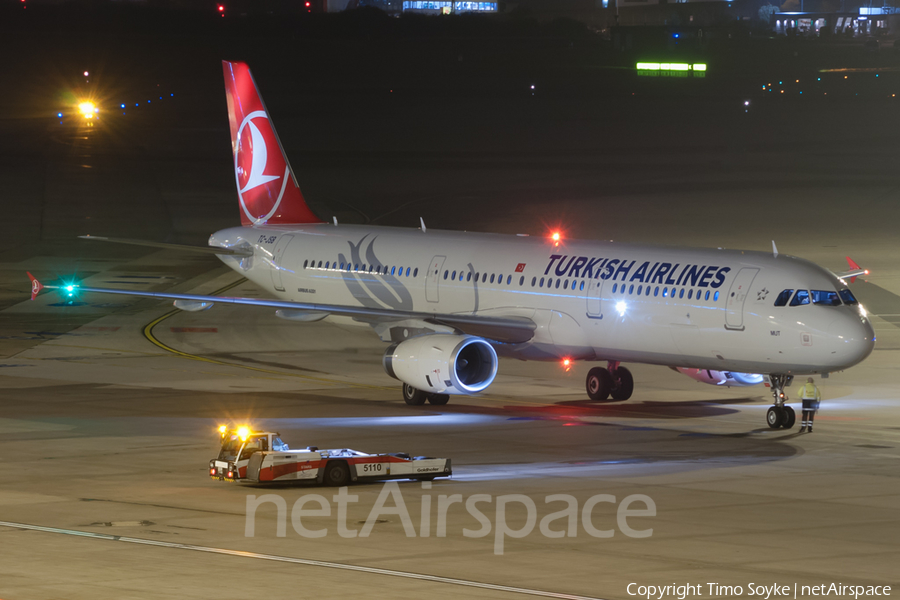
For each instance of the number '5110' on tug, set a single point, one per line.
(450, 302)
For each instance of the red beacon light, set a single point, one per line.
(556, 237)
(567, 364)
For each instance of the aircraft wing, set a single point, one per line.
(854, 272)
(513, 330)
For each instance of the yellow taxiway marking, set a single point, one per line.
(148, 333)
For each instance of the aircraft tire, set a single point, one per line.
(789, 418)
(337, 474)
(623, 384)
(413, 396)
(775, 417)
(438, 399)
(598, 384)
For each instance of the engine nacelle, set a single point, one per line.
(443, 363)
(726, 378)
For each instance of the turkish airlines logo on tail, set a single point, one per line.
(261, 178)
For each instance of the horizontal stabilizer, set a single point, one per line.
(180, 247)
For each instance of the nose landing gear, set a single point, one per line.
(780, 416)
(612, 381)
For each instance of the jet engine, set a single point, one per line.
(726, 378)
(443, 363)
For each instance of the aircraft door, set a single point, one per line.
(433, 278)
(734, 302)
(277, 256)
(594, 293)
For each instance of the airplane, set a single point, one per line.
(450, 303)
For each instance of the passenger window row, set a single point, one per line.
(666, 292)
(623, 288)
(558, 283)
(468, 276)
(356, 268)
(578, 285)
(826, 297)
(485, 278)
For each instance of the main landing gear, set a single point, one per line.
(780, 416)
(612, 381)
(416, 397)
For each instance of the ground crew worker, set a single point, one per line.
(810, 395)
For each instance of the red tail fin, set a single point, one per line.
(267, 188)
(36, 286)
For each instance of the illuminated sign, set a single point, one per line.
(655, 69)
(446, 6)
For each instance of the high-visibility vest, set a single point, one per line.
(809, 391)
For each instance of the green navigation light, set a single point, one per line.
(69, 288)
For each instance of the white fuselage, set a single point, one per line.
(682, 307)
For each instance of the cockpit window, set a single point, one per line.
(801, 297)
(826, 297)
(254, 445)
(230, 448)
(848, 297)
(783, 298)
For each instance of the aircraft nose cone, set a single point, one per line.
(855, 337)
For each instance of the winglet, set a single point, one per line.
(774, 249)
(855, 268)
(36, 286)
